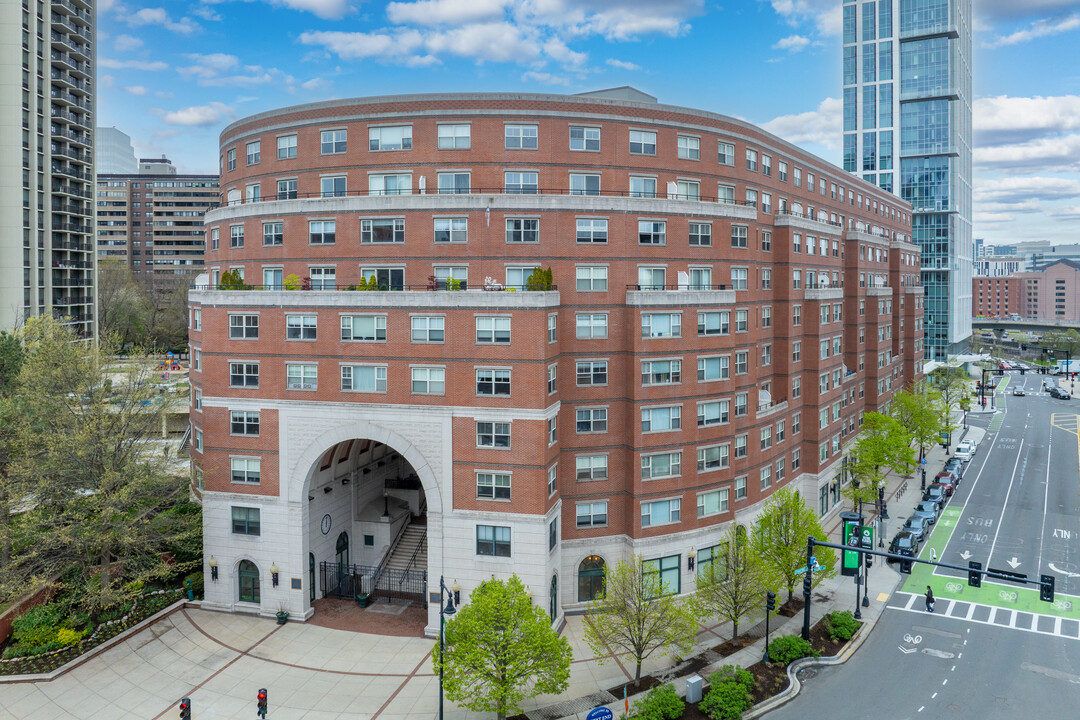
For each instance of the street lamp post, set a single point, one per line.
(449, 609)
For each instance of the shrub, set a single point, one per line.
(539, 280)
(660, 703)
(789, 648)
(292, 282)
(135, 587)
(841, 625)
(67, 637)
(36, 636)
(727, 700)
(732, 673)
(38, 617)
(18, 651)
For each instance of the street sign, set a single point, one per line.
(600, 713)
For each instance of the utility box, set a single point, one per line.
(693, 689)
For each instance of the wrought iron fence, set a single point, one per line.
(347, 581)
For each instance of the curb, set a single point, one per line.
(97, 650)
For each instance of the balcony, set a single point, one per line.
(764, 410)
(418, 297)
(688, 294)
(789, 218)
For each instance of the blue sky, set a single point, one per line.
(173, 73)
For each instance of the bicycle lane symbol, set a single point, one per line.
(910, 643)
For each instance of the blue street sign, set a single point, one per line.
(600, 713)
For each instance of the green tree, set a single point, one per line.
(733, 585)
(105, 506)
(638, 614)
(778, 539)
(166, 301)
(121, 302)
(500, 650)
(918, 409)
(954, 386)
(12, 409)
(883, 444)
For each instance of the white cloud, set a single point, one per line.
(1038, 29)
(392, 45)
(1021, 189)
(544, 78)
(196, 115)
(206, 13)
(123, 43)
(148, 65)
(826, 15)
(622, 64)
(822, 126)
(792, 43)
(445, 12)
(158, 16)
(316, 85)
(1056, 154)
(1008, 9)
(1071, 212)
(136, 90)
(1005, 114)
(325, 9)
(557, 50)
(106, 81)
(208, 66)
(103, 6)
(497, 42)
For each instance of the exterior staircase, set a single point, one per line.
(403, 552)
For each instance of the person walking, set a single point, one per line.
(929, 599)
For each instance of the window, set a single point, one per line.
(243, 327)
(245, 521)
(751, 160)
(584, 138)
(738, 236)
(492, 486)
(451, 230)
(363, 328)
(661, 465)
(592, 230)
(522, 230)
(552, 378)
(711, 413)
(650, 278)
(244, 423)
(196, 359)
(766, 437)
(714, 323)
(661, 325)
(245, 470)
(196, 399)
(642, 186)
(782, 171)
(780, 431)
(273, 233)
(795, 456)
(591, 372)
(521, 183)
(766, 203)
(363, 378)
(382, 231)
(322, 232)
(300, 327)
(553, 479)
(751, 198)
(660, 512)
(286, 147)
(689, 147)
(492, 330)
(553, 540)
(740, 446)
(766, 316)
(700, 278)
(428, 380)
(493, 382)
(592, 514)
(591, 420)
(651, 232)
(198, 440)
(398, 137)
(713, 368)
(215, 238)
(286, 189)
(766, 164)
(661, 419)
(493, 540)
(713, 458)
(726, 154)
(301, 376)
(796, 388)
(553, 430)
(766, 355)
(236, 236)
(592, 278)
(333, 142)
(453, 137)
(459, 183)
(591, 326)
(584, 184)
(741, 320)
(322, 278)
(428, 328)
(520, 137)
(741, 404)
(796, 351)
(334, 186)
(661, 372)
(766, 476)
(738, 278)
(243, 374)
(493, 434)
(642, 142)
(700, 234)
(741, 364)
(796, 423)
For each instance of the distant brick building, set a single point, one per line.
(725, 307)
(996, 296)
(1052, 293)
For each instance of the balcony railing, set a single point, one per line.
(438, 286)
(683, 286)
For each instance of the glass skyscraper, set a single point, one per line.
(907, 128)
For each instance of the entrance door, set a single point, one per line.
(343, 569)
(591, 579)
(311, 576)
(249, 581)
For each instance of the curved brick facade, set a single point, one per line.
(711, 280)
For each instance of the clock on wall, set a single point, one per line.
(326, 523)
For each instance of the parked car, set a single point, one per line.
(917, 526)
(946, 480)
(927, 510)
(956, 466)
(1018, 391)
(904, 543)
(935, 492)
(966, 450)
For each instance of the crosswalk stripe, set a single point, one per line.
(1014, 616)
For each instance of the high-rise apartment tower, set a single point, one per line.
(907, 129)
(46, 161)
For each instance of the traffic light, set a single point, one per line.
(974, 576)
(262, 702)
(1046, 588)
(905, 566)
(869, 560)
(185, 709)
(770, 601)
(807, 584)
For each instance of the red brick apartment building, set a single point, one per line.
(724, 307)
(996, 296)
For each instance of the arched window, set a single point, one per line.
(248, 575)
(553, 598)
(343, 549)
(591, 578)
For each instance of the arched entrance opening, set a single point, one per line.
(591, 579)
(248, 576)
(366, 523)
